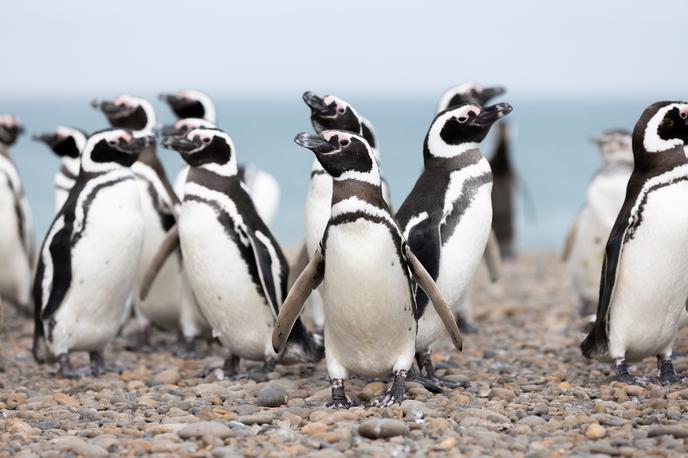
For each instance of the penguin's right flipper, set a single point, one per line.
(56, 288)
(493, 257)
(309, 279)
(430, 287)
(168, 246)
(570, 238)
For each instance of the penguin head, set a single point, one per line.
(10, 129)
(64, 141)
(127, 112)
(368, 132)
(462, 128)
(615, 146)
(468, 93)
(663, 127)
(109, 148)
(332, 113)
(210, 148)
(342, 154)
(184, 125)
(190, 103)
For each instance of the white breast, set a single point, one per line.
(222, 285)
(651, 285)
(369, 324)
(104, 268)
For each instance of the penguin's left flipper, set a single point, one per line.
(266, 256)
(309, 279)
(493, 258)
(570, 238)
(168, 246)
(430, 287)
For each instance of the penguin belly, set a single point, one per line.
(370, 328)
(15, 266)
(460, 257)
(104, 269)
(651, 285)
(163, 304)
(605, 197)
(226, 292)
(180, 181)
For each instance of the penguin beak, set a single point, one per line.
(597, 141)
(315, 143)
(181, 144)
(315, 103)
(167, 98)
(168, 130)
(136, 144)
(489, 93)
(488, 115)
(50, 139)
(109, 108)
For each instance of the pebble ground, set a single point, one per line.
(532, 394)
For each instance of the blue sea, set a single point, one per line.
(550, 138)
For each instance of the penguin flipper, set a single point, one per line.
(167, 247)
(430, 287)
(424, 240)
(493, 257)
(267, 257)
(59, 251)
(309, 279)
(597, 341)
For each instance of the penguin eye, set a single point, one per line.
(340, 110)
(462, 119)
(112, 142)
(206, 140)
(344, 142)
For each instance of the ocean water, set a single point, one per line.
(550, 146)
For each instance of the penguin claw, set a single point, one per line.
(342, 403)
(387, 399)
(438, 385)
(671, 379)
(73, 373)
(628, 379)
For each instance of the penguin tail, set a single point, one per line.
(595, 344)
(303, 346)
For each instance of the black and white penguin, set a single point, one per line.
(88, 261)
(263, 187)
(644, 284)
(448, 214)
(66, 143)
(587, 238)
(504, 187)
(365, 271)
(234, 264)
(164, 303)
(16, 227)
(329, 112)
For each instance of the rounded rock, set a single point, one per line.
(272, 396)
(383, 428)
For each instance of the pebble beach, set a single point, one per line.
(532, 394)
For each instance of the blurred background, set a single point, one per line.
(572, 70)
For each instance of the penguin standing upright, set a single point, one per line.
(262, 186)
(588, 236)
(163, 305)
(328, 112)
(235, 266)
(503, 190)
(644, 284)
(16, 230)
(448, 214)
(366, 269)
(88, 261)
(66, 143)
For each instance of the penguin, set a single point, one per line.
(66, 143)
(235, 266)
(16, 229)
(263, 187)
(89, 258)
(367, 275)
(166, 302)
(644, 287)
(456, 96)
(447, 216)
(328, 112)
(585, 243)
(504, 185)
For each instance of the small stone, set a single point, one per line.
(66, 400)
(595, 431)
(532, 420)
(14, 400)
(78, 446)
(371, 391)
(677, 431)
(209, 390)
(18, 427)
(447, 444)
(256, 419)
(502, 393)
(383, 428)
(272, 396)
(205, 428)
(314, 428)
(167, 377)
(634, 390)
(227, 452)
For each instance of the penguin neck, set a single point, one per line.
(71, 164)
(660, 161)
(226, 170)
(5, 150)
(348, 188)
(149, 155)
(463, 159)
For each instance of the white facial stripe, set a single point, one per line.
(193, 123)
(354, 204)
(461, 89)
(208, 105)
(78, 136)
(135, 102)
(437, 146)
(415, 220)
(87, 162)
(9, 120)
(651, 139)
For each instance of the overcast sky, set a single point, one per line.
(387, 47)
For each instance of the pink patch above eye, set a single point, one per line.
(683, 111)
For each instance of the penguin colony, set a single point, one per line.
(196, 256)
